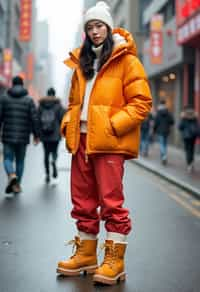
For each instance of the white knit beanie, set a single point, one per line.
(101, 11)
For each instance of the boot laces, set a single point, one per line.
(76, 246)
(110, 254)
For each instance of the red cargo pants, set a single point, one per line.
(97, 192)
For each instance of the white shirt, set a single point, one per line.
(88, 90)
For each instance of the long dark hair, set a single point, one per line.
(87, 56)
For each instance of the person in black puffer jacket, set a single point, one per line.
(50, 115)
(189, 129)
(162, 126)
(18, 118)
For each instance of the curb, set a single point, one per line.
(187, 187)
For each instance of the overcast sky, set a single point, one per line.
(63, 17)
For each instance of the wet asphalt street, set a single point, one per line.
(163, 253)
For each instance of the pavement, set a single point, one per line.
(175, 171)
(163, 253)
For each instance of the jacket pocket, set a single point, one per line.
(101, 134)
(69, 127)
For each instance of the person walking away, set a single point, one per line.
(162, 127)
(18, 119)
(108, 100)
(146, 132)
(189, 129)
(50, 113)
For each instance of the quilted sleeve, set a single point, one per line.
(137, 96)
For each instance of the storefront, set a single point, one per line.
(166, 76)
(166, 85)
(188, 35)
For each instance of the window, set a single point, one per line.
(116, 8)
(1, 21)
(168, 11)
(17, 17)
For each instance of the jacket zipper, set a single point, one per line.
(87, 143)
(100, 72)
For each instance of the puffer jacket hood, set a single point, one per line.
(123, 43)
(17, 91)
(49, 101)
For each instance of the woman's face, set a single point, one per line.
(97, 32)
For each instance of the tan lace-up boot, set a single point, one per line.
(112, 268)
(83, 260)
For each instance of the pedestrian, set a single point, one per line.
(162, 127)
(146, 135)
(50, 113)
(189, 129)
(109, 99)
(18, 119)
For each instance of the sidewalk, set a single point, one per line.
(175, 171)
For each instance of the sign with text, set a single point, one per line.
(185, 9)
(25, 20)
(156, 39)
(189, 29)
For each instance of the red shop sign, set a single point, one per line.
(185, 9)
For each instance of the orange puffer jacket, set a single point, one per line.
(119, 102)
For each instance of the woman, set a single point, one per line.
(109, 99)
(189, 129)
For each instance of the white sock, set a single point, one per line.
(116, 237)
(86, 236)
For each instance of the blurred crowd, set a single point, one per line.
(158, 125)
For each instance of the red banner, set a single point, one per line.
(30, 66)
(25, 20)
(156, 39)
(156, 45)
(7, 65)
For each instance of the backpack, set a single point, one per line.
(47, 119)
(190, 131)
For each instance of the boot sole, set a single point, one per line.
(76, 272)
(109, 281)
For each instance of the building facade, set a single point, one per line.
(15, 51)
(18, 48)
(172, 75)
(3, 41)
(128, 14)
(188, 36)
(43, 64)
